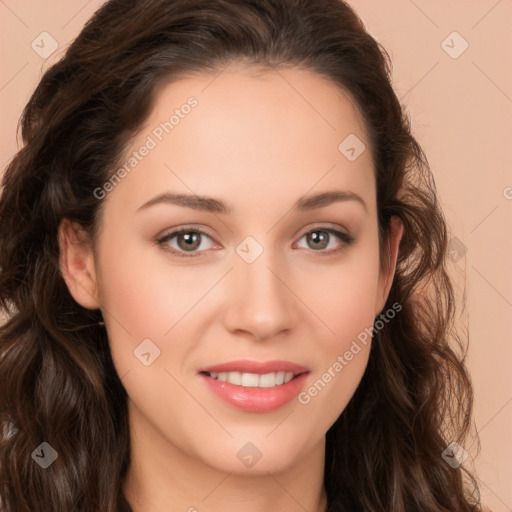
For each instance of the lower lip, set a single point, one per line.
(255, 399)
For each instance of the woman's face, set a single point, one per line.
(257, 282)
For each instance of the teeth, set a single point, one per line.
(234, 378)
(250, 379)
(267, 380)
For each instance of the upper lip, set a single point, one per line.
(259, 367)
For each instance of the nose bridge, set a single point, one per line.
(259, 300)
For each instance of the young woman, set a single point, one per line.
(223, 263)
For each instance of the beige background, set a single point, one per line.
(461, 110)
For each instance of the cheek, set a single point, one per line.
(148, 295)
(347, 303)
(343, 295)
(150, 299)
(343, 352)
(344, 299)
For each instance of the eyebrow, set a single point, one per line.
(209, 204)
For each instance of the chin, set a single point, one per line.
(257, 457)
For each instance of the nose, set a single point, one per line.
(260, 298)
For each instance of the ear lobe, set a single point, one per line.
(76, 262)
(387, 275)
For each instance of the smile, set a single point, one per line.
(254, 386)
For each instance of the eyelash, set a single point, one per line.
(347, 240)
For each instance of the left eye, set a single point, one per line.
(320, 238)
(190, 241)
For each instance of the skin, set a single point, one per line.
(258, 142)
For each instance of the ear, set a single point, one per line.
(388, 273)
(76, 262)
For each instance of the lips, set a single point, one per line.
(255, 386)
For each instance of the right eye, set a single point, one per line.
(188, 241)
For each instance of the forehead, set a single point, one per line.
(243, 100)
(250, 129)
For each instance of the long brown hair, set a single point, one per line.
(58, 381)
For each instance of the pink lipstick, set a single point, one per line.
(255, 386)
